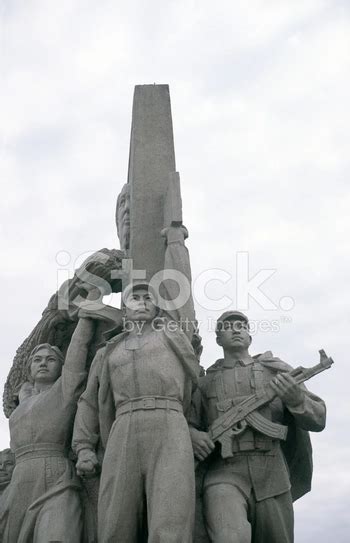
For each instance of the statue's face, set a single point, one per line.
(234, 335)
(140, 306)
(7, 463)
(45, 366)
(123, 218)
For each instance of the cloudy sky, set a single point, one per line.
(259, 95)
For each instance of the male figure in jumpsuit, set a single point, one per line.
(138, 390)
(248, 497)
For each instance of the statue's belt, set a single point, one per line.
(39, 450)
(146, 403)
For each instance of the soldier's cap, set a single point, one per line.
(230, 315)
(136, 285)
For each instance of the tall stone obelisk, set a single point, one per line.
(151, 161)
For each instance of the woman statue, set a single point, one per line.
(42, 502)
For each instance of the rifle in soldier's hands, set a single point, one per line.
(235, 420)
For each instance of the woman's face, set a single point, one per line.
(45, 366)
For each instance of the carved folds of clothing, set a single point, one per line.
(261, 469)
(42, 501)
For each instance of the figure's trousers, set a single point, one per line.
(149, 465)
(232, 518)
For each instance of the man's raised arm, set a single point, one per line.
(179, 290)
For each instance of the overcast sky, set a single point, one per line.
(260, 94)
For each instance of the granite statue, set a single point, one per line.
(42, 502)
(110, 411)
(134, 408)
(247, 488)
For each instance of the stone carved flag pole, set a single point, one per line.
(151, 161)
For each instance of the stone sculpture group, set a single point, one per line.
(117, 432)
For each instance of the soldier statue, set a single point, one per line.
(134, 409)
(248, 495)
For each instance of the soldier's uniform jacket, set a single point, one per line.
(259, 463)
(111, 380)
(97, 405)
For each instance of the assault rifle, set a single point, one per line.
(235, 420)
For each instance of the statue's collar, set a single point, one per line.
(222, 363)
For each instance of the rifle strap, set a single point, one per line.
(257, 381)
(220, 386)
(258, 421)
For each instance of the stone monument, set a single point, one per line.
(160, 450)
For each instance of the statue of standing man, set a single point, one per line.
(134, 407)
(248, 492)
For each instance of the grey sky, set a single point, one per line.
(259, 95)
